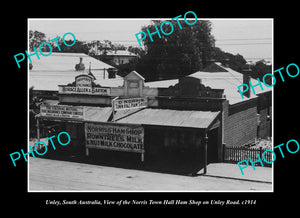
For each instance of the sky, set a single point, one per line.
(251, 38)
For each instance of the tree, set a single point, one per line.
(78, 47)
(182, 52)
(35, 39)
(136, 50)
(235, 62)
(260, 69)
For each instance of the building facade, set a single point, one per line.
(180, 125)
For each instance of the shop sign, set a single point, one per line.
(83, 80)
(129, 103)
(114, 137)
(83, 85)
(62, 111)
(83, 90)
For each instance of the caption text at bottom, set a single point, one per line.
(151, 202)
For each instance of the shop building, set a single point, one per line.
(61, 68)
(178, 124)
(120, 56)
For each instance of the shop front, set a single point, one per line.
(165, 140)
(126, 127)
(57, 118)
(178, 141)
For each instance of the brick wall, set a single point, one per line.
(240, 126)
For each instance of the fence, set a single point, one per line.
(237, 154)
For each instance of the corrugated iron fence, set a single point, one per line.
(237, 154)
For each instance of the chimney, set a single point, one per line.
(80, 66)
(246, 79)
(112, 73)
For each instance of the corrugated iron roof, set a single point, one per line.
(162, 83)
(148, 116)
(124, 113)
(227, 79)
(59, 69)
(97, 114)
(162, 117)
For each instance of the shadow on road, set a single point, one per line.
(188, 164)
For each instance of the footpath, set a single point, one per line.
(232, 171)
(229, 170)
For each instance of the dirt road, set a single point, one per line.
(54, 175)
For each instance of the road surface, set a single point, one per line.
(56, 175)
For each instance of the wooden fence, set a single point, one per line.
(237, 154)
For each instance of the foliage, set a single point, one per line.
(78, 47)
(182, 52)
(235, 62)
(35, 39)
(260, 69)
(137, 50)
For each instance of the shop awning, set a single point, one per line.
(97, 114)
(146, 116)
(174, 118)
(57, 113)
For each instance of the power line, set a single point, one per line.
(246, 39)
(203, 41)
(256, 43)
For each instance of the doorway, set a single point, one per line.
(212, 146)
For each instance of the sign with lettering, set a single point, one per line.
(84, 84)
(83, 90)
(83, 80)
(64, 111)
(129, 103)
(114, 137)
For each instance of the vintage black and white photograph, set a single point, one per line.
(179, 104)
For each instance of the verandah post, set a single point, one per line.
(224, 147)
(205, 153)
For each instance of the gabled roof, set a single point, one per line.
(133, 74)
(229, 80)
(59, 69)
(66, 62)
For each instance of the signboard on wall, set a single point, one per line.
(84, 80)
(63, 111)
(83, 85)
(129, 103)
(114, 137)
(83, 90)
